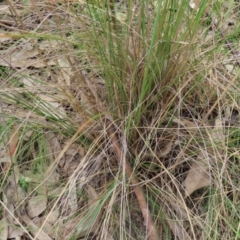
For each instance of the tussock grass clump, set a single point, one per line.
(120, 120)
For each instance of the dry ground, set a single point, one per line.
(66, 158)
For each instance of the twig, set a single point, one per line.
(134, 181)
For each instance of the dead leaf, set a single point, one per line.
(4, 227)
(87, 223)
(53, 217)
(165, 151)
(198, 175)
(54, 106)
(13, 141)
(217, 137)
(55, 191)
(30, 84)
(6, 155)
(92, 194)
(9, 225)
(195, 4)
(37, 184)
(3, 149)
(12, 190)
(15, 232)
(72, 197)
(4, 9)
(27, 134)
(121, 17)
(28, 56)
(217, 132)
(36, 205)
(47, 228)
(178, 230)
(70, 165)
(72, 150)
(54, 147)
(66, 71)
(229, 67)
(188, 125)
(5, 160)
(33, 228)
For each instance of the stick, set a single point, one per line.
(134, 181)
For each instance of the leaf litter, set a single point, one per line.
(35, 201)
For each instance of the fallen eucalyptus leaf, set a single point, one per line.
(34, 229)
(72, 197)
(36, 206)
(178, 230)
(198, 175)
(4, 228)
